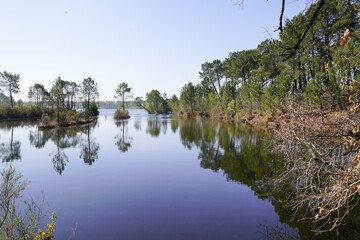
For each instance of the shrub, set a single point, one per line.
(61, 117)
(71, 116)
(121, 114)
(20, 221)
(94, 109)
(231, 107)
(45, 119)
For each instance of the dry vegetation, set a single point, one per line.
(121, 114)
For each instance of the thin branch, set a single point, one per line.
(312, 20)
(281, 17)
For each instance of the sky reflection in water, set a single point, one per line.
(149, 177)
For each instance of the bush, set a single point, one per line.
(94, 109)
(72, 116)
(20, 221)
(24, 111)
(121, 114)
(231, 109)
(45, 119)
(61, 117)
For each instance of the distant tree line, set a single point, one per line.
(62, 97)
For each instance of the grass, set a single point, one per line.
(27, 111)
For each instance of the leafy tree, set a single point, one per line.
(10, 82)
(228, 94)
(187, 96)
(276, 93)
(174, 103)
(123, 92)
(89, 92)
(58, 94)
(71, 91)
(155, 103)
(212, 74)
(38, 94)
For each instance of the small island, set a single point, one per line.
(123, 92)
(64, 120)
(64, 114)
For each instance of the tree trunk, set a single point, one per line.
(123, 101)
(11, 98)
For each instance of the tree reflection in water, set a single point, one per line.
(90, 148)
(63, 138)
(123, 140)
(67, 137)
(10, 151)
(153, 127)
(243, 154)
(157, 125)
(240, 152)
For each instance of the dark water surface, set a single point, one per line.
(149, 177)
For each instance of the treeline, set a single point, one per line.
(277, 72)
(59, 102)
(115, 104)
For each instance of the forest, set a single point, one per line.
(319, 73)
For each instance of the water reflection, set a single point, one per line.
(244, 157)
(10, 151)
(38, 138)
(240, 152)
(174, 125)
(153, 127)
(64, 138)
(137, 125)
(156, 125)
(123, 140)
(90, 148)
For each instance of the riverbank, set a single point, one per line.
(23, 112)
(296, 118)
(241, 117)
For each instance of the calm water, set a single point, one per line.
(149, 177)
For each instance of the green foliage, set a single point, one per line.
(258, 79)
(24, 111)
(89, 93)
(38, 94)
(231, 107)
(188, 97)
(49, 230)
(123, 92)
(94, 109)
(212, 75)
(276, 94)
(155, 103)
(19, 221)
(315, 90)
(45, 119)
(228, 94)
(174, 103)
(10, 82)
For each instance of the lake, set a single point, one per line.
(148, 177)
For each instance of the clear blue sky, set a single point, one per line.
(150, 44)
